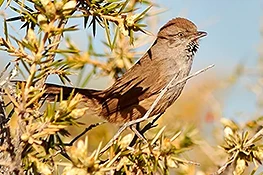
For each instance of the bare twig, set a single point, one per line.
(227, 164)
(145, 128)
(83, 132)
(146, 115)
(255, 137)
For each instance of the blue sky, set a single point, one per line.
(233, 29)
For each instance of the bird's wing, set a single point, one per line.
(129, 94)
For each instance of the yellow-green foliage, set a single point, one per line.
(34, 133)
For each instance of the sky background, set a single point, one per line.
(233, 28)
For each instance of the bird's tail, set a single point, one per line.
(92, 99)
(54, 91)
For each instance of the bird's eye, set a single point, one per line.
(181, 34)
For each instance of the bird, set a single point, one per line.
(129, 98)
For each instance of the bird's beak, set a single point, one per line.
(200, 34)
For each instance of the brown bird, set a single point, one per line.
(133, 94)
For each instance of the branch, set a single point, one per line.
(255, 137)
(83, 132)
(146, 115)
